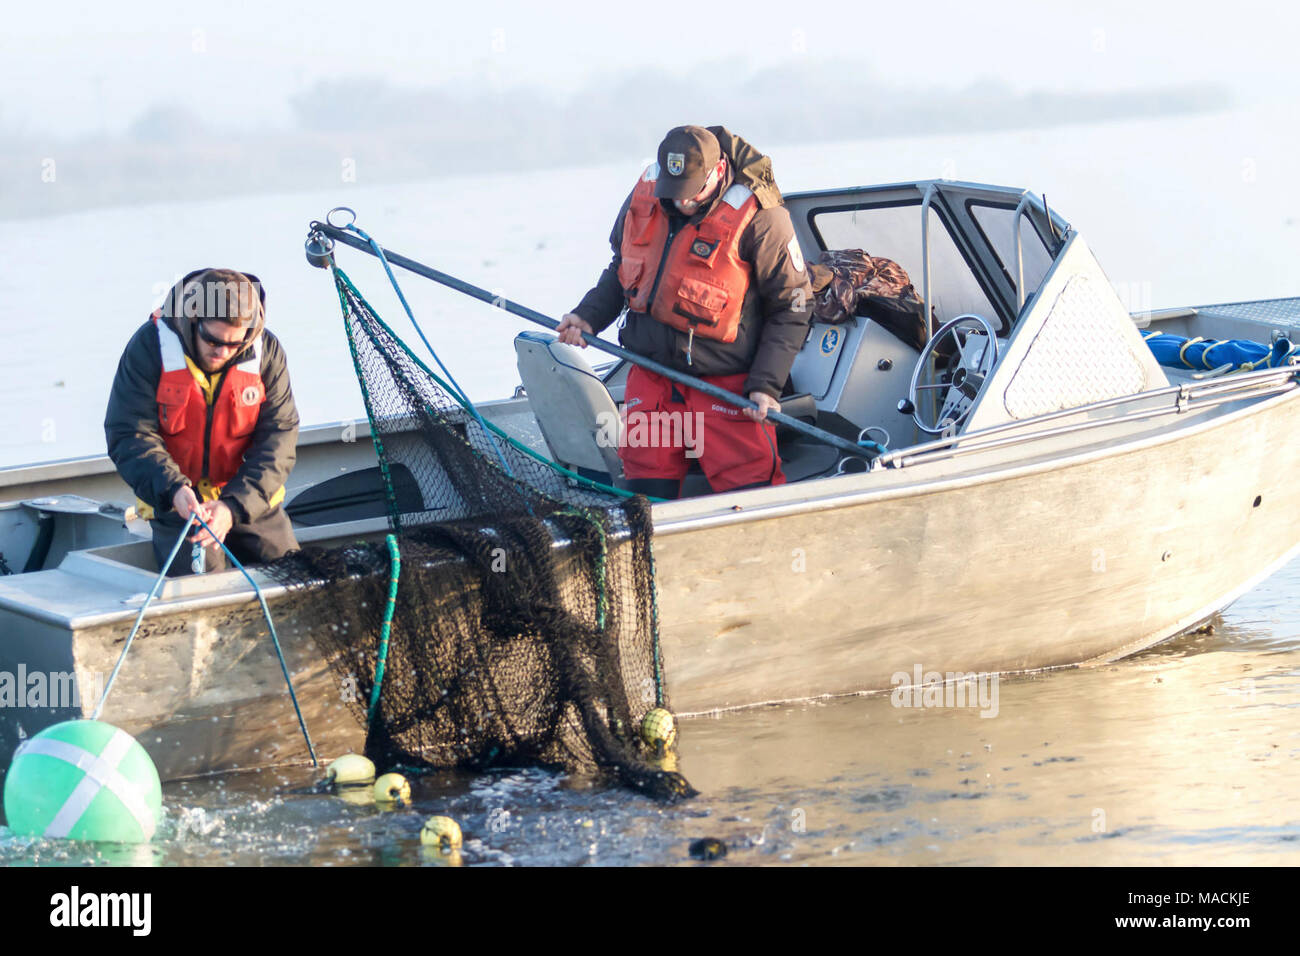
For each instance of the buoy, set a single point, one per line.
(392, 788)
(659, 730)
(350, 769)
(441, 832)
(83, 780)
(708, 848)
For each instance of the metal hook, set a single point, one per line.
(348, 209)
(840, 469)
(865, 434)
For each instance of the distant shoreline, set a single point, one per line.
(363, 132)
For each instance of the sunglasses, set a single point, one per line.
(222, 343)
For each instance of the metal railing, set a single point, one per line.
(928, 375)
(1020, 252)
(1205, 394)
(925, 249)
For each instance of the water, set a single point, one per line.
(1183, 755)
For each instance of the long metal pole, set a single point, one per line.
(811, 431)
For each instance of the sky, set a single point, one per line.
(79, 68)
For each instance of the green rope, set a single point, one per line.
(654, 623)
(395, 557)
(394, 514)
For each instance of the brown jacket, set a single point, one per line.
(776, 310)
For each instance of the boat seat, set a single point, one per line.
(572, 406)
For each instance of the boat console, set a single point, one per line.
(1023, 320)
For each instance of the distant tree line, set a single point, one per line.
(400, 134)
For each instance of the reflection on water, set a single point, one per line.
(1182, 755)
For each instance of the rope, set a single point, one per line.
(157, 586)
(654, 624)
(395, 571)
(275, 639)
(458, 392)
(394, 513)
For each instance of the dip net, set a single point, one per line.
(509, 618)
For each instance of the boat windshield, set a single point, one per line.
(893, 229)
(994, 223)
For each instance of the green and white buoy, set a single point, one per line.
(83, 780)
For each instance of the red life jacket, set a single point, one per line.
(183, 411)
(698, 282)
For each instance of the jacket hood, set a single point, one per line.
(183, 308)
(749, 167)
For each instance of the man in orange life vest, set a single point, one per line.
(201, 418)
(709, 269)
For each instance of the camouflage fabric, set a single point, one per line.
(849, 282)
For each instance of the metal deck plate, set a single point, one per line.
(1274, 311)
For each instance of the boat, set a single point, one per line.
(1043, 493)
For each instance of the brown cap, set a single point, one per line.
(686, 157)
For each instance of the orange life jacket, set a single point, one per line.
(183, 411)
(695, 280)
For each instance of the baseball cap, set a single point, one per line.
(686, 157)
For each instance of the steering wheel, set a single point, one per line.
(974, 358)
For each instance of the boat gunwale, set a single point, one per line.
(1203, 392)
(270, 588)
(730, 509)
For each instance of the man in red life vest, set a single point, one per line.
(201, 418)
(708, 267)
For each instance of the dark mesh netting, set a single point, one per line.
(523, 628)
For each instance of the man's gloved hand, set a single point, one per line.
(571, 328)
(765, 402)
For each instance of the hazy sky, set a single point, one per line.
(75, 67)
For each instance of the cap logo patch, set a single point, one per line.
(676, 163)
